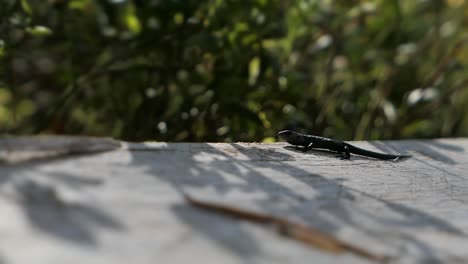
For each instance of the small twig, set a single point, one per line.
(304, 234)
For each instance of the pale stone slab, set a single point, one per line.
(22, 149)
(127, 206)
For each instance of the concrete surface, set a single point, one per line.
(126, 205)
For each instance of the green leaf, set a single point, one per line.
(26, 7)
(254, 70)
(5, 95)
(133, 23)
(131, 20)
(79, 4)
(39, 31)
(269, 140)
(178, 18)
(2, 48)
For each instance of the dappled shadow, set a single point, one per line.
(234, 168)
(444, 146)
(75, 181)
(49, 213)
(226, 232)
(429, 255)
(428, 148)
(46, 210)
(264, 176)
(411, 217)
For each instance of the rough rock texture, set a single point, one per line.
(127, 205)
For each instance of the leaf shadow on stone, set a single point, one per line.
(331, 200)
(45, 208)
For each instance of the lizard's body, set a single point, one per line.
(345, 149)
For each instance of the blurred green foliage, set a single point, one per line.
(189, 70)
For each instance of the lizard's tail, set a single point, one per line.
(368, 153)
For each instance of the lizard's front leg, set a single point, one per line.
(304, 148)
(346, 154)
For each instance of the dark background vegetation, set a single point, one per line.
(190, 70)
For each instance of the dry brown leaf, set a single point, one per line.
(304, 234)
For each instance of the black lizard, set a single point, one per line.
(345, 149)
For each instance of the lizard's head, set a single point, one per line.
(291, 137)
